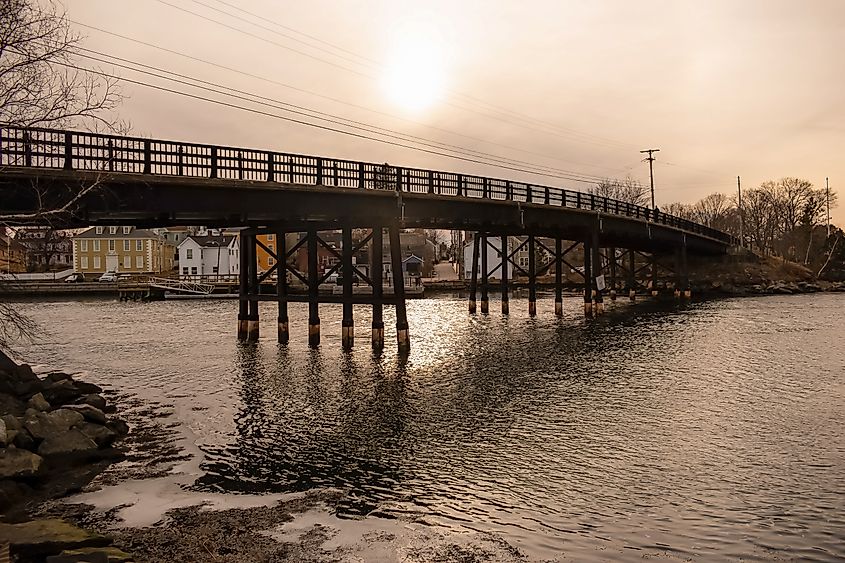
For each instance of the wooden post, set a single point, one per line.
(485, 299)
(685, 287)
(558, 278)
(376, 271)
(313, 290)
(597, 271)
(505, 264)
(402, 336)
(347, 324)
(243, 277)
(473, 281)
(282, 286)
(588, 278)
(654, 275)
(632, 277)
(532, 278)
(612, 264)
(254, 290)
(677, 292)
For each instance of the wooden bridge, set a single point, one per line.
(147, 182)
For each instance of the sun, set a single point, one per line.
(413, 78)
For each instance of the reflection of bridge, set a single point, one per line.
(159, 183)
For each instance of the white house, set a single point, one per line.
(494, 261)
(209, 255)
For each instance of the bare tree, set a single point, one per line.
(627, 190)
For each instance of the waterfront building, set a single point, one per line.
(46, 248)
(209, 255)
(12, 256)
(121, 249)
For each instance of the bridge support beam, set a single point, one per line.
(254, 288)
(503, 252)
(678, 283)
(376, 270)
(598, 303)
(313, 290)
(685, 287)
(532, 278)
(611, 257)
(473, 281)
(282, 287)
(402, 336)
(632, 277)
(347, 324)
(558, 278)
(588, 278)
(243, 273)
(485, 298)
(654, 267)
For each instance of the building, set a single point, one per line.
(47, 248)
(209, 255)
(121, 249)
(519, 256)
(12, 256)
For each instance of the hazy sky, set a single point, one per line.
(722, 87)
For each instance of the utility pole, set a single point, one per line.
(650, 159)
(827, 191)
(739, 207)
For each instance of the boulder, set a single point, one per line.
(18, 463)
(61, 393)
(94, 400)
(106, 555)
(38, 402)
(58, 376)
(23, 439)
(12, 422)
(24, 373)
(102, 435)
(70, 442)
(90, 413)
(10, 404)
(32, 541)
(88, 388)
(4, 434)
(46, 425)
(118, 426)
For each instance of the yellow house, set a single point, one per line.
(121, 249)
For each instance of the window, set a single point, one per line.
(127, 230)
(83, 263)
(111, 245)
(189, 254)
(126, 245)
(185, 271)
(99, 230)
(83, 245)
(96, 246)
(271, 261)
(193, 270)
(139, 245)
(272, 247)
(269, 237)
(214, 269)
(127, 262)
(96, 262)
(112, 230)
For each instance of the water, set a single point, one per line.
(712, 431)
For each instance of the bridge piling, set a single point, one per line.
(376, 260)
(243, 313)
(598, 303)
(402, 336)
(685, 287)
(632, 277)
(612, 265)
(485, 298)
(313, 291)
(473, 281)
(558, 278)
(654, 267)
(347, 324)
(532, 278)
(282, 287)
(503, 252)
(677, 291)
(588, 277)
(254, 288)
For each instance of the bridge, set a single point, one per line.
(120, 180)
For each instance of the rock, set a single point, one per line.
(90, 413)
(94, 400)
(61, 393)
(38, 402)
(118, 426)
(69, 442)
(112, 554)
(24, 440)
(39, 538)
(26, 389)
(88, 388)
(25, 373)
(11, 405)
(4, 435)
(17, 463)
(102, 435)
(58, 376)
(46, 425)
(12, 422)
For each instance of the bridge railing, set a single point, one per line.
(77, 150)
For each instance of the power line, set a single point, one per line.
(650, 160)
(322, 116)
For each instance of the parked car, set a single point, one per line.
(75, 277)
(108, 277)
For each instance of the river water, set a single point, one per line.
(712, 431)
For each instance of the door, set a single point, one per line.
(111, 262)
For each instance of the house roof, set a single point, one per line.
(210, 240)
(133, 233)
